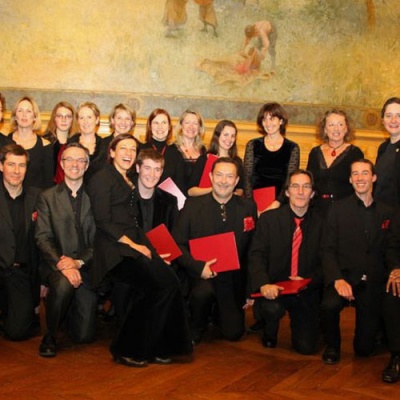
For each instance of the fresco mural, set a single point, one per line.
(341, 52)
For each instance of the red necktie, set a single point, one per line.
(296, 242)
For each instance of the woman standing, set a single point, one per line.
(25, 124)
(122, 121)
(189, 141)
(159, 137)
(155, 326)
(330, 162)
(88, 116)
(61, 126)
(3, 139)
(223, 144)
(271, 158)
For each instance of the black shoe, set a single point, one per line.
(130, 362)
(48, 347)
(391, 374)
(330, 356)
(269, 343)
(162, 360)
(256, 327)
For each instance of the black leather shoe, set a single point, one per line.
(391, 374)
(269, 343)
(162, 360)
(256, 327)
(130, 362)
(331, 356)
(48, 347)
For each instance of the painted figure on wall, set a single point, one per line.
(260, 38)
(207, 15)
(175, 16)
(246, 66)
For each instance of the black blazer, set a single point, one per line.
(270, 254)
(345, 250)
(56, 230)
(396, 170)
(196, 220)
(7, 237)
(115, 211)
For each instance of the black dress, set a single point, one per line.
(332, 183)
(265, 168)
(41, 165)
(155, 324)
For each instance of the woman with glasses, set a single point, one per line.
(25, 125)
(61, 126)
(159, 138)
(154, 328)
(270, 159)
(330, 162)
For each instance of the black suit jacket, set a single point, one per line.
(347, 252)
(56, 230)
(115, 210)
(270, 254)
(198, 219)
(7, 238)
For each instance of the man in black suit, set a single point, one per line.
(18, 258)
(353, 248)
(271, 261)
(217, 212)
(64, 234)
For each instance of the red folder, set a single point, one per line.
(170, 186)
(264, 197)
(290, 287)
(163, 242)
(205, 181)
(222, 247)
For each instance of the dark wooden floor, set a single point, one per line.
(220, 371)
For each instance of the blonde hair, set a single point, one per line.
(37, 124)
(198, 141)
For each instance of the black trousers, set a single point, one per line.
(155, 323)
(20, 303)
(303, 312)
(78, 306)
(368, 305)
(226, 293)
(391, 316)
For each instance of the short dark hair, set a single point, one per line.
(391, 100)
(299, 171)
(227, 160)
(77, 145)
(150, 154)
(14, 149)
(274, 110)
(364, 161)
(116, 140)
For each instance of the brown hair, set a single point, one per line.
(153, 114)
(321, 126)
(274, 110)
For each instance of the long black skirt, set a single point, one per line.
(155, 324)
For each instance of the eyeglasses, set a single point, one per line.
(61, 116)
(296, 186)
(70, 160)
(223, 212)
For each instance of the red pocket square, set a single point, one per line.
(248, 224)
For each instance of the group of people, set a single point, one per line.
(76, 209)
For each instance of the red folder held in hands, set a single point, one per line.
(290, 287)
(163, 242)
(221, 246)
(205, 181)
(264, 197)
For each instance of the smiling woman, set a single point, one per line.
(155, 327)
